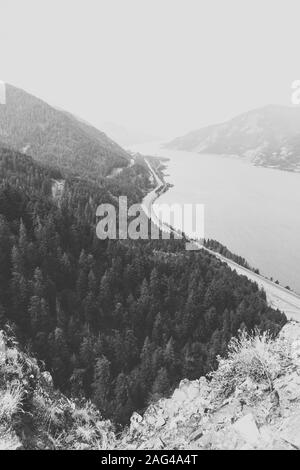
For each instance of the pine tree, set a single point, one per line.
(101, 384)
(161, 385)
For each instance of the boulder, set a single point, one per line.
(290, 430)
(247, 428)
(47, 378)
(195, 435)
(135, 422)
(289, 387)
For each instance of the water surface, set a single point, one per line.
(254, 211)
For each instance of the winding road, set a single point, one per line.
(278, 297)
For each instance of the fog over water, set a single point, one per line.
(254, 211)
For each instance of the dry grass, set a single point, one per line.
(85, 413)
(8, 439)
(86, 433)
(255, 356)
(10, 401)
(55, 421)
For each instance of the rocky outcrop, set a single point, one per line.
(261, 411)
(252, 401)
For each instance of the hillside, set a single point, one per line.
(57, 138)
(33, 415)
(117, 322)
(250, 402)
(268, 136)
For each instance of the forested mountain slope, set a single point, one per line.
(119, 322)
(36, 416)
(57, 138)
(251, 401)
(268, 136)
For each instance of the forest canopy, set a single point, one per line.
(120, 322)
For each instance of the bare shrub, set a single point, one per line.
(10, 401)
(256, 356)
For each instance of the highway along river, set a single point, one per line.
(254, 211)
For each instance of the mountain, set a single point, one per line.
(56, 137)
(116, 322)
(268, 136)
(126, 137)
(119, 322)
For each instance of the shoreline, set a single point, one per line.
(278, 297)
(151, 197)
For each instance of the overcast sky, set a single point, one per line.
(164, 66)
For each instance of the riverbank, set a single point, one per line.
(278, 297)
(148, 201)
(244, 209)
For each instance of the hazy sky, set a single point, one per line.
(165, 66)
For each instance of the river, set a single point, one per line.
(254, 211)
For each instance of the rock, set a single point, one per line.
(252, 415)
(206, 440)
(47, 377)
(193, 390)
(160, 422)
(151, 420)
(247, 428)
(159, 444)
(289, 387)
(136, 418)
(187, 391)
(135, 422)
(291, 430)
(194, 436)
(290, 331)
(248, 385)
(179, 396)
(270, 439)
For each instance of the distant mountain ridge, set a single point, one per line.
(269, 136)
(56, 137)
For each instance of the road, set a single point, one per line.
(277, 296)
(151, 197)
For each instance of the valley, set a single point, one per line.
(118, 322)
